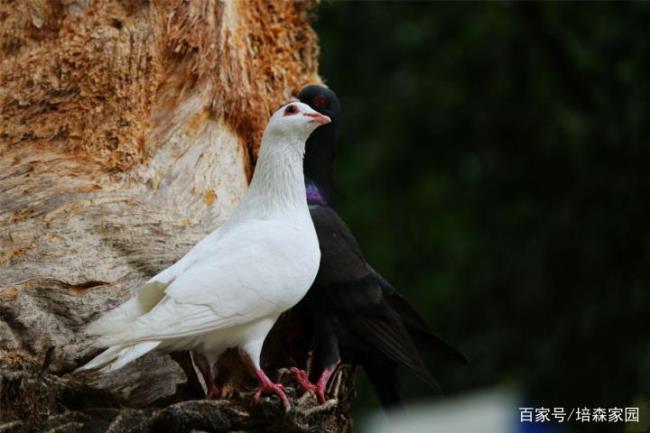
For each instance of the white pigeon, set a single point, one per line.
(231, 287)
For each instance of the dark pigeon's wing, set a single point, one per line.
(391, 338)
(342, 262)
(416, 326)
(355, 296)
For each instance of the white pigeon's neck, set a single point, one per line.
(278, 182)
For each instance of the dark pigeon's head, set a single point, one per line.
(321, 145)
(322, 100)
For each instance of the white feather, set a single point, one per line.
(103, 358)
(149, 295)
(231, 287)
(129, 354)
(118, 319)
(217, 291)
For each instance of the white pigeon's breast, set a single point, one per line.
(302, 261)
(290, 258)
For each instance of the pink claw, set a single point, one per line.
(213, 391)
(302, 379)
(267, 386)
(319, 388)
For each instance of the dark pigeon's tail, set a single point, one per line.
(421, 334)
(382, 375)
(382, 368)
(417, 327)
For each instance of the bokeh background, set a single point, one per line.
(493, 164)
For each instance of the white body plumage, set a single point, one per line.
(230, 288)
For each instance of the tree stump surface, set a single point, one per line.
(34, 400)
(128, 131)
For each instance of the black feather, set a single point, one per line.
(351, 311)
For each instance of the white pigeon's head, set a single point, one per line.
(295, 120)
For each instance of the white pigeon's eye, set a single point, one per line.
(291, 109)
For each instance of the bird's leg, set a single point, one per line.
(320, 387)
(266, 385)
(206, 371)
(323, 381)
(326, 353)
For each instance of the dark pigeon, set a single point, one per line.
(351, 313)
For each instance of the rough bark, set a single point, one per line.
(128, 131)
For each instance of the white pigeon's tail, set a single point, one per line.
(116, 357)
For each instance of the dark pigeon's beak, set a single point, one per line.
(318, 118)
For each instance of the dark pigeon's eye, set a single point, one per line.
(291, 109)
(320, 101)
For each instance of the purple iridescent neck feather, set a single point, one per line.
(314, 195)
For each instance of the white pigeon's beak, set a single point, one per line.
(321, 119)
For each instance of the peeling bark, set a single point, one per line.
(128, 131)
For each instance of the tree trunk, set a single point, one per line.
(128, 131)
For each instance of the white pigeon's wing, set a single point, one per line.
(118, 319)
(150, 294)
(258, 270)
(203, 248)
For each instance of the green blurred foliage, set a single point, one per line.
(493, 163)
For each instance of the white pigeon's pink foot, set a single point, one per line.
(266, 385)
(320, 387)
